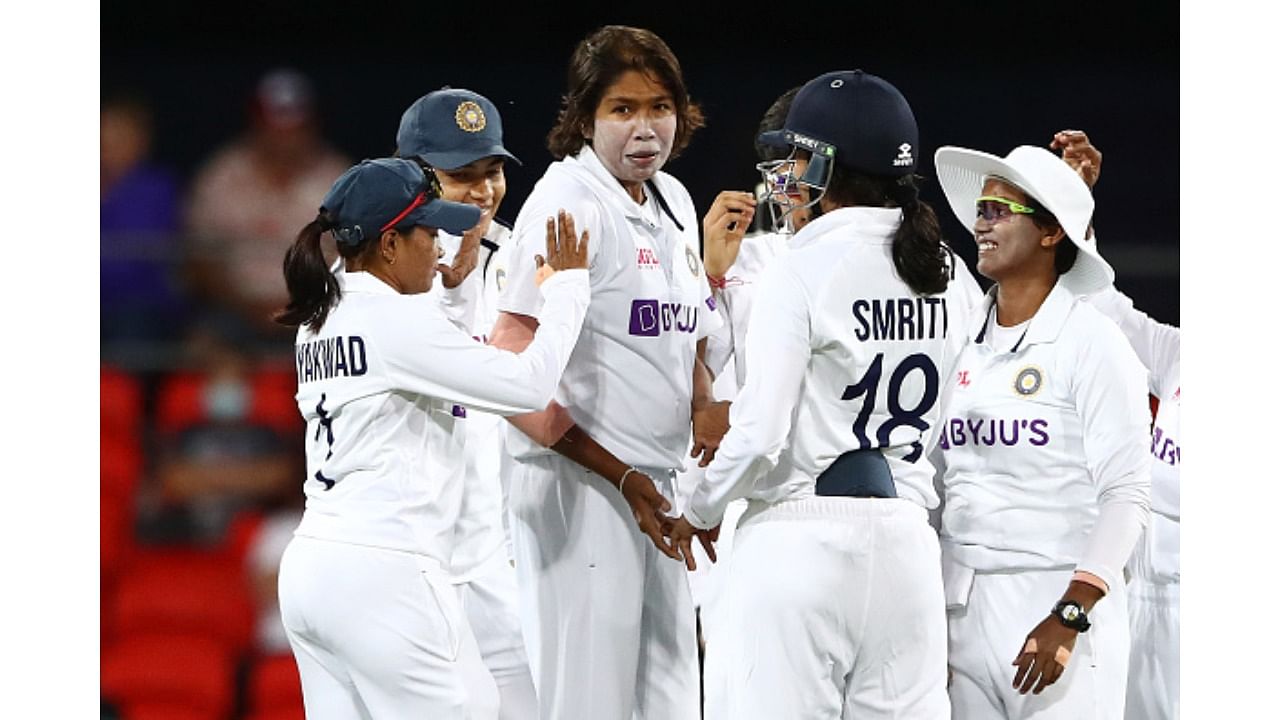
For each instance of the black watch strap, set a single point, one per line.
(1072, 615)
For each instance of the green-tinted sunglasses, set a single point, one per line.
(995, 209)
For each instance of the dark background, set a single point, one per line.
(984, 75)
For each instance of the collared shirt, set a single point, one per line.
(1039, 439)
(379, 387)
(756, 253)
(843, 355)
(1159, 347)
(629, 384)
(480, 537)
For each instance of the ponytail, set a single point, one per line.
(313, 290)
(919, 255)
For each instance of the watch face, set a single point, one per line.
(1070, 613)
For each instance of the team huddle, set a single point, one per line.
(524, 443)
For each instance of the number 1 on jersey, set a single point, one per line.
(898, 415)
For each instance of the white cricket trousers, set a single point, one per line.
(490, 602)
(1154, 685)
(379, 634)
(989, 632)
(832, 609)
(608, 619)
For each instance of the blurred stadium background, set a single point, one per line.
(205, 170)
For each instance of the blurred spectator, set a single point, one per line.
(263, 565)
(141, 301)
(223, 460)
(250, 198)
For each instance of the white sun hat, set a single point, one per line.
(1045, 177)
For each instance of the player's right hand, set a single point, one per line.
(647, 507)
(565, 249)
(723, 227)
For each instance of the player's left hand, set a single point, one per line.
(1044, 656)
(681, 533)
(710, 423)
(1080, 154)
(464, 262)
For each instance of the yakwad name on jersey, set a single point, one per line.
(651, 318)
(331, 357)
(1164, 448)
(916, 318)
(991, 432)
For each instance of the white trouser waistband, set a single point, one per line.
(831, 508)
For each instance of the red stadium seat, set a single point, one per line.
(274, 688)
(179, 402)
(121, 396)
(187, 676)
(184, 591)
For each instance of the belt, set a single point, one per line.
(858, 474)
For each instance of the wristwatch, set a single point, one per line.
(1072, 615)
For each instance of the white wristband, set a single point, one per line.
(623, 479)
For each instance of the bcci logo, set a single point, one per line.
(1028, 381)
(904, 156)
(469, 117)
(692, 259)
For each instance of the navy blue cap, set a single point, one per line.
(450, 128)
(377, 195)
(859, 119)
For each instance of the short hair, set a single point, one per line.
(1065, 252)
(598, 61)
(775, 118)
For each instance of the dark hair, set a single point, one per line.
(774, 119)
(313, 290)
(1064, 254)
(598, 61)
(919, 255)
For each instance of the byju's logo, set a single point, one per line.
(904, 155)
(650, 318)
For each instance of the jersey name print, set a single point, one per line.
(905, 318)
(330, 357)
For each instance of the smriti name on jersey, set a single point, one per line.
(905, 318)
(342, 356)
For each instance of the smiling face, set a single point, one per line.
(634, 128)
(1012, 245)
(482, 183)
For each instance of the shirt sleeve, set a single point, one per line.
(1109, 387)
(1158, 345)
(529, 239)
(439, 360)
(720, 340)
(760, 419)
(459, 303)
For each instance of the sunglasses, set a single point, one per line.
(994, 209)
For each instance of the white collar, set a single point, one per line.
(878, 222)
(364, 282)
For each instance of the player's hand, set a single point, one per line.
(1044, 656)
(710, 423)
(1080, 154)
(647, 507)
(464, 261)
(681, 534)
(723, 227)
(566, 250)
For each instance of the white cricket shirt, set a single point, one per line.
(756, 253)
(1041, 439)
(380, 388)
(1159, 347)
(842, 355)
(629, 383)
(480, 537)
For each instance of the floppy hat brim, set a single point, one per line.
(962, 173)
